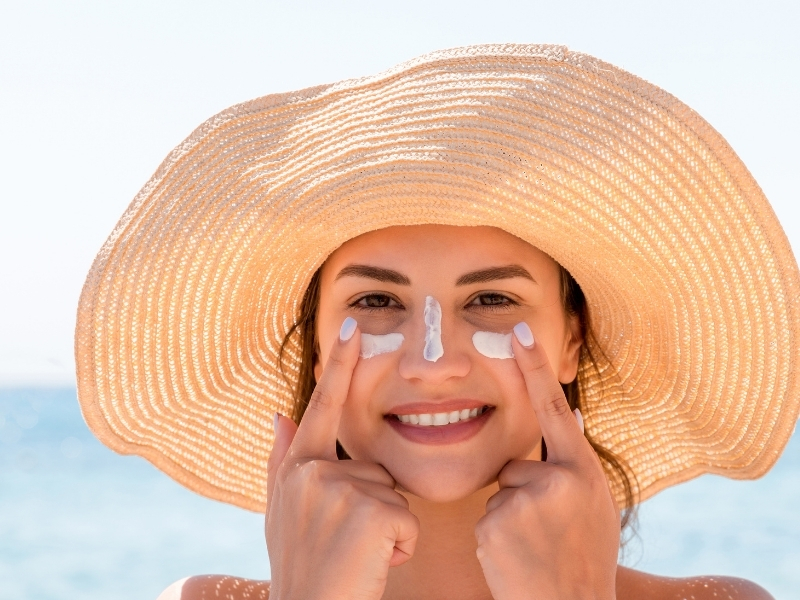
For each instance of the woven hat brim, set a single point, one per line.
(690, 279)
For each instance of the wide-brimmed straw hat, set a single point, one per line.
(691, 283)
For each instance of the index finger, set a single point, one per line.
(316, 435)
(560, 429)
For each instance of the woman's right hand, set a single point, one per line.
(333, 527)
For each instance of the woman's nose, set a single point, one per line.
(433, 354)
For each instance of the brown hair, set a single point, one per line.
(617, 470)
(575, 305)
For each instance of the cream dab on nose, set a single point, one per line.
(493, 345)
(433, 350)
(373, 345)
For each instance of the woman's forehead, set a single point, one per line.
(418, 246)
(428, 240)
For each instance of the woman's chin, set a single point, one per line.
(442, 487)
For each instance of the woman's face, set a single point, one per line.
(484, 279)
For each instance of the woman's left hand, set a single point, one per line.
(552, 531)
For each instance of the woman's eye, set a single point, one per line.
(376, 301)
(492, 300)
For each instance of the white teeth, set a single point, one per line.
(439, 419)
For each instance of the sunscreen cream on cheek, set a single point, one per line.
(372, 345)
(433, 350)
(493, 345)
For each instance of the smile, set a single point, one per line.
(439, 424)
(442, 418)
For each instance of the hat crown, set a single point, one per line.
(690, 280)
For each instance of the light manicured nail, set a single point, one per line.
(524, 334)
(348, 329)
(579, 418)
(275, 421)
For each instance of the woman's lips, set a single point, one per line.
(441, 406)
(437, 426)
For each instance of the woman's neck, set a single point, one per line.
(444, 564)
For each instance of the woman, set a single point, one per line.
(429, 270)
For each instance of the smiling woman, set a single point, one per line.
(420, 250)
(515, 288)
(482, 278)
(411, 262)
(439, 262)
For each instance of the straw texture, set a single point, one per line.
(692, 285)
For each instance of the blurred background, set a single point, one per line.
(93, 95)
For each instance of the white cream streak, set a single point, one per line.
(433, 350)
(372, 345)
(493, 345)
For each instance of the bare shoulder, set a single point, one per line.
(635, 585)
(631, 585)
(218, 587)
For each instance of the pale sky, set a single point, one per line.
(93, 95)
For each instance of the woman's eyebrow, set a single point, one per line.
(376, 273)
(494, 273)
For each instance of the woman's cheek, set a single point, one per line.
(516, 423)
(362, 413)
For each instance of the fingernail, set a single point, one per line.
(348, 329)
(275, 421)
(524, 334)
(579, 418)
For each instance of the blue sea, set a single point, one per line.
(78, 521)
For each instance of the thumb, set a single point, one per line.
(285, 430)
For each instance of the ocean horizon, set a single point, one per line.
(78, 521)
